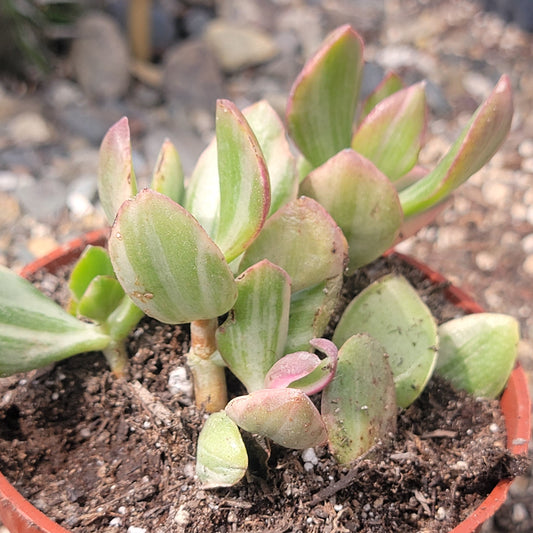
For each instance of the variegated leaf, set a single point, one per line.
(252, 338)
(286, 416)
(477, 143)
(116, 179)
(166, 262)
(363, 202)
(391, 311)
(392, 134)
(358, 406)
(390, 84)
(323, 99)
(477, 352)
(168, 173)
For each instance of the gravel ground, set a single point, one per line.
(49, 136)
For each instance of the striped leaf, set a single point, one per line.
(391, 311)
(168, 173)
(253, 337)
(390, 84)
(167, 264)
(35, 331)
(116, 179)
(323, 99)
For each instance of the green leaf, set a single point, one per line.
(392, 134)
(167, 264)
(168, 173)
(221, 459)
(270, 133)
(390, 84)
(202, 196)
(35, 331)
(391, 311)
(363, 202)
(244, 182)
(252, 338)
(302, 239)
(94, 261)
(101, 298)
(477, 143)
(358, 406)
(286, 416)
(323, 99)
(477, 352)
(310, 312)
(116, 179)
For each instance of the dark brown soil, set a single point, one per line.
(93, 451)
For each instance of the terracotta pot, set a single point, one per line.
(19, 516)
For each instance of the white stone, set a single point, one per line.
(527, 265)
(527, 165)
(179, 383)
(133, 529)
(486, 261)
(29, 128)
(309, 456)
(527, 244)
(182, 516)
(525, 149)
(496, 193)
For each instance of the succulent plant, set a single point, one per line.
(252, 251)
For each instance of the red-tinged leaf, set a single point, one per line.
(391, 135)
(323, 99)
(477, 143)
(361, 199)
(390, 84)
(287, 416)
(244, 182)
(116, 179)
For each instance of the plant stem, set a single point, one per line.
(117, 357)
(208, 377)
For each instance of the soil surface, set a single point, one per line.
(97, 453)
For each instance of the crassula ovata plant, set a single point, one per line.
(252, 250)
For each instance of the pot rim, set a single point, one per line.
(20, 516)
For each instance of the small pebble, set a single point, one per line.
(115, 522)
(440, 514)
(133, 529)
(494, 428)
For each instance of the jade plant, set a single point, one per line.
(252, 250)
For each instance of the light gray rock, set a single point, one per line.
(100, 57)
(236, 46)
(44, 200)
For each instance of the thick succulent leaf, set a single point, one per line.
(166, 262)
(202, 196)
(477, 143)
(286, 416)
(391, 311)
(310, 312)
(244, 182)
(281, 164)
(221, 458)
(116, 179)
(323, 99)
(415, 223)
(168, 173)
(35, 331)
(304, 370)
(252, 338)
(358, 406)
(477, 352)
(102, 297)
(392, 134)
(304, 240)
(363, 202)
(390, 84)
(94, 261)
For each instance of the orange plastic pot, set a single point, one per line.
(19, 516)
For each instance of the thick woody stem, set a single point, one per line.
(208, 377)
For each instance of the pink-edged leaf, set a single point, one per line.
(166, 262)
(286, 416)
(304, 370)
(361, 199)
(252, 338)
(270, 133)
(477, 143)
(390, 84)
(244, 182)
(116, 179)
(415, 174)
(414, 224)
(304, 240)
(392, 133)
(323, 99)
(168, 173)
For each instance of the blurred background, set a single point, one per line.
(69, 69)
